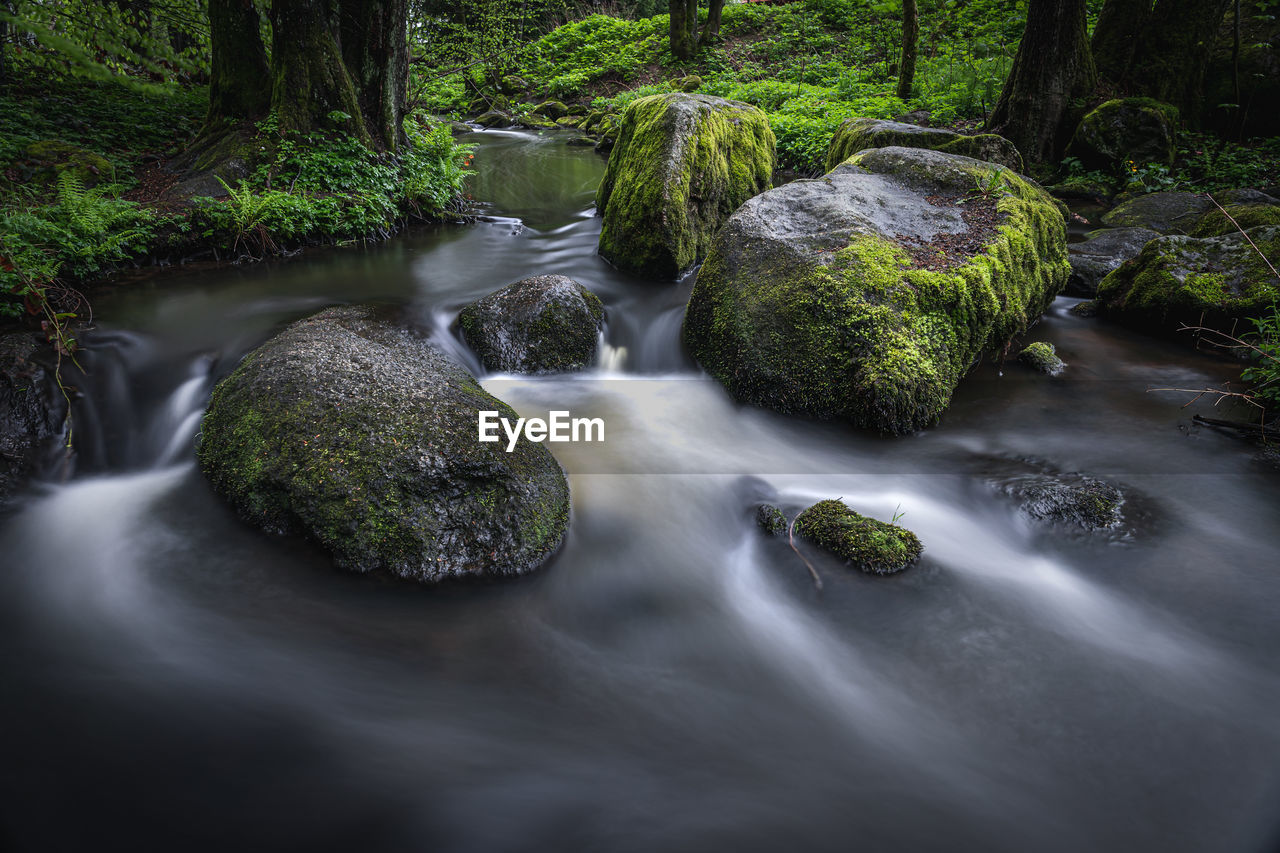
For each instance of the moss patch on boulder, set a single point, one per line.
(872, 546)
(858, 134)
(51, 157)
(1219, 282)
(544, 324)
(352, 430)
(1138, 129)
(681, 165)
(1216, 223)
(1167, 213)
(867, 294)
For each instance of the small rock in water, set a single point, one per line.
(544, 324)
(1066, 498)
(771, 519)
(875, 547)
(1042, 357)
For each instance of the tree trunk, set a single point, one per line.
(375, 50)
(238, 74)
(910, 31)
(1052, 68)
(1170, 61)
(309, 81)
(1116, 36)
(711, 31)
(684, 23)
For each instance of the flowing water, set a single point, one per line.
(671, 680)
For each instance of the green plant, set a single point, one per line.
(1263, 375)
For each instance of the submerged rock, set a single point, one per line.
(1043, 357)
(1103, 251)
(867, 294)
(771, 519)
(872, 546)
(1219, 282)
(351, 430)
(544, 324)
(682, 164)
(858, 134)
(32, 412)
(1168, 213)
(1141, 130)
(1071, 498)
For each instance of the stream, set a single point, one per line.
(672, 680)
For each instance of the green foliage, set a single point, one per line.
(1264, 375)
(1205, 163)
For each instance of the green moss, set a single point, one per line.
(1216, 224)
(1177, 282)
(859, 134)
(859, 335)
(682, 164)
(1043, 357)
(771, 520)
(54, 157)
(870, 545)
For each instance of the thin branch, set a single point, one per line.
(791, 540)
(1244, 234)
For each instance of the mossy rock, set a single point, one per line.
(1215, 223)
(51, 157)
(551, 110)
(858, 134)
(512, 84)
(352, 430)
(1141, 130)
(810, 302)
(692, 83)
(1166, 212)
(875, 547)
(1176, 282)
(544, 324)
(1072, 499)
(1102, 252)
(495, 118)
(682, 165)
(1043, 357)
(771, 520)
(570, 122)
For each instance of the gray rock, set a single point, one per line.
(544, 324)
(1103, 251)
(32, 412)
(1062, 498)
(358, 433)
(827, 297)
(1137, 129)
(858, 134)
(771, 520)
(495, 118)
(1168, 213)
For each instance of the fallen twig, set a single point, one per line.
(791, 540)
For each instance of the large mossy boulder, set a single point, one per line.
(681, 165)
(1166, 212)
(1103, 251)
(544, 324)
(360, 434)
(50, 158)
(858, 134)
(867, 294)
(875, 547)
(1177, 282)
(1140, 130)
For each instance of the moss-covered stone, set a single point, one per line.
(51, 157)
(1219, 282)
(692, 83)
(1062, 498)
(351, 430)
(809, 301)
(495, 118)
(858, 134)
(682, 165)
(544, 324)
(1043, 357)
(771, 520)
(551, 110)
(1141, 130)
(570, 122)
(1215, 223)
(1167, 212)
(872, 546)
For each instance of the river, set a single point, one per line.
(671, 680)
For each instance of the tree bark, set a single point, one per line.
(711, 31)
(1170, 61)
(1116, 36)
(376, 52)
(238, 74)
(1052, 68)
(309, 81)
(684, 24)
(910, 32)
